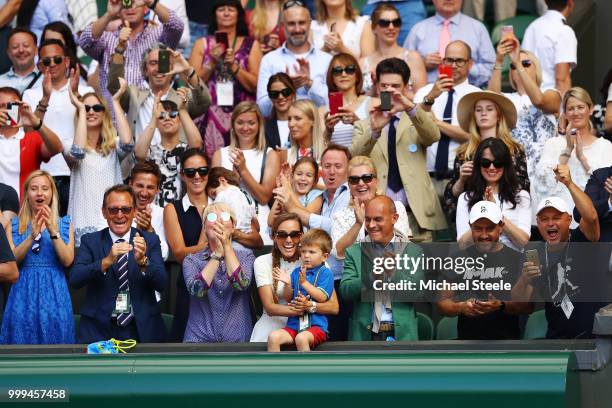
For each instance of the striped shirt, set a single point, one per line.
(102, 48)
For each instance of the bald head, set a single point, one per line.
(458, 54)
(380, 219)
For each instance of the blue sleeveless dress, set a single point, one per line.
(39, 310)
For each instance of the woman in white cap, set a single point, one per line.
(494, 179)
(575, 146)
(483, 115)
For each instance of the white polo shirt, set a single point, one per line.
(553, 42)
(60, 118)
(437, 109)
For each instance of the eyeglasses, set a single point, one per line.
(169, 115)
(96, 108)
(367, 179)
(276, 94)
(191, 172)
(459, 62)
(293, 3)
(349, 69)
(56, 60)
(486, 163)
(285, 234)
(213, 217)
(116, 210)
(384, 23)
(524, 63)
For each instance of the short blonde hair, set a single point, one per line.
(319, 238)
(579, 93)
(318, 140)
(245, 107)
(536, 62)
(219, 207)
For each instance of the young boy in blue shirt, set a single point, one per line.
(312, 279)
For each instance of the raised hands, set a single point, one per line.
(122, 88)
(281, 275)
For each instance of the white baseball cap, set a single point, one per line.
(557, 203)
(485, 209)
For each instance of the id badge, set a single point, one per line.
(567, 306)
(304, 322)
(225, 93)
(122, 303)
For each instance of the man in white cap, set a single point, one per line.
(569, 275)
(483, 314)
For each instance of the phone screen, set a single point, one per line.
(531, 255)
(385, 101)
(13, 114)
(335, 102)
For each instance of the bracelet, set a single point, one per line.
(565, 154)
(37, 127)
(561, 132)
(498, 67)
(192, 74)
(153, 5)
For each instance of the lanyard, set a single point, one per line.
(297, 287)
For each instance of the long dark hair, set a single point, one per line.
(276, 253)
(25, 13)
(69, 43)
(508, 186)
(242, 29)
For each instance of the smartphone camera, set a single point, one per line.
(126, 3)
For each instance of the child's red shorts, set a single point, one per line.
(319, 335)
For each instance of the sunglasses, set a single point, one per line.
(524, 63)
(293, 3)
(169, 115)
(56, 60)
(285, 234)
(459, 62)
(384, 23)
(116, 210)
(191, 172)
(486, 163)
(276, 94)
(96, 108)
(349, 69)
(213, 217)
(367, 179)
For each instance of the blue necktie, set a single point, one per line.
(441, 165)
(122, 272)
(394, 177)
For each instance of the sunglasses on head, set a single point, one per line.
(276, 94)
(96, 108)
(285, 234)
(486, 163)
(191, 172)
(169, 115)
(524, 63)
(293, 3)
(384, 23)
(116, 210)
(349, 69)
(212, 217)
(367, 179)
(56, 60)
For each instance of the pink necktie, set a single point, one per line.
(445, 38)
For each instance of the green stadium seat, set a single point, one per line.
(168, 319)
(519, 23)
(358, 5)
(447, 329)
(425, 326)
(536, 326)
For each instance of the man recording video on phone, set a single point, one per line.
(396, 137)
(570, 277)
(486, 315)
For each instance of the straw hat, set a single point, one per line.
(465, 109)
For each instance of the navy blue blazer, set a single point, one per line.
(102, 288)
(601, 200)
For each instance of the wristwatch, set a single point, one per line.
(55, 236)
(313, 308)
(144, 262)
(216, 257)
(428, 101)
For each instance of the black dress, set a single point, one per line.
(191, 226)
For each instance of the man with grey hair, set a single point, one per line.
(139, 102)
(306, 65)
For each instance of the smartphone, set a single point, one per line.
(507, 32)
(531, 255)
(385, 101)
(447, 70)
(163, 65)
(13, 113)
(335, 102)
(221, 38)
(126, 4)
